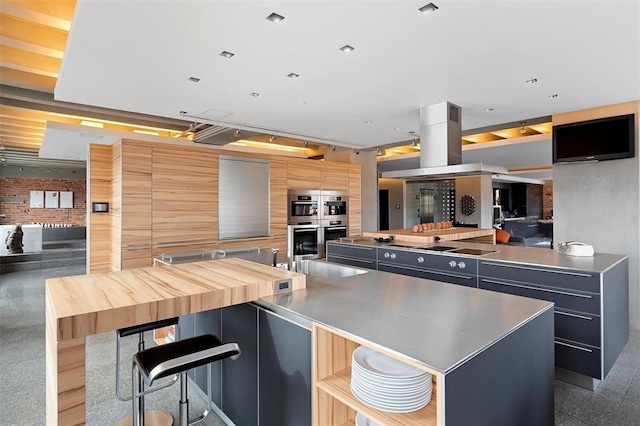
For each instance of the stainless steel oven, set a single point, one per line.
(332, 230)
(303, 240)
(303, 206)
(334, 205)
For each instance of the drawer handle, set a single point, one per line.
(573, 346)
(577, 274)
(333, 256)
(574, 315)
(566, 293)
(430, 271)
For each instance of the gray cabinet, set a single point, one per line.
(449, 269)
(353, 255)
(591, 311)
(270, 383)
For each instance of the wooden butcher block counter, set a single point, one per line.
(82, 305)
(477, 235)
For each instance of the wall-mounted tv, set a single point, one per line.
(607, 138)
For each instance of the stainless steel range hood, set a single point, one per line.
(441, 148)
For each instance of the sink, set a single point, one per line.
(322, 269)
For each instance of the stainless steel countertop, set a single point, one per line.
(436, 324)
(599, 263)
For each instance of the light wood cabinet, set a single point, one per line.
(355, 200)
(303, 174)
(333, 402)
(185, 198)
(135, 207)
(278, 199)
(334, 176)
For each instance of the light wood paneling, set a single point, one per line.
(281, 244)
(185, 196)
(278, 198)
(116, 206)
(303, 174)
(594, 113)
(136, 207)
(355, 200)
(99, 177)
(334, 176)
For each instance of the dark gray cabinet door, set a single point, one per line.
(240, 376)
(448, 277)
(284, 372)
(360, 263)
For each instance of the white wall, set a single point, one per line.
(599, 204)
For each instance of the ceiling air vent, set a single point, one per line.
(219, 135)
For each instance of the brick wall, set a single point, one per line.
(15, 201)
(547, 199)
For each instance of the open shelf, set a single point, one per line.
(335, 405)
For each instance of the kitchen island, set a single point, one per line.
(81, 305)
(490, 354)
(591, 294)
(482, 235)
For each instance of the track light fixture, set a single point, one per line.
(379, 151)
(237, 134)
(414, 143)
(272, 139)
(523, 131)
(306, 144)
(356, 151)
(333, 147)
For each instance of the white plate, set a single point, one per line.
(394, 400)
(377, 363)
(356, 368)
(392, 391)
(389, 384)
(362, 420)
(392, 408)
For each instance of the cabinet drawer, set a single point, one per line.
(578, 327)
(456, 265)
(554, 277)
(361, 263)
(447, 277)
(579, 358)
(352, 251)
(567, 299)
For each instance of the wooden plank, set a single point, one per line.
(424, 237)
(303, 174)
(599, 112)
(99, 178)
(355, 200)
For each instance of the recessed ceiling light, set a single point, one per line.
(227, 54)
(274, 17)
(293, 75)
(194, 79)
(183, 112)
(397, 128)
(555, 95)
(488, 109)
(532, 81)
(347, 48)
(368, 122)
(428, 8)
(301, 102)
(254, 94)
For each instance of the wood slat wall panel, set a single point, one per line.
(185, 196)
(355, 200)
(334, 176)
(278, 198)
(99, 177)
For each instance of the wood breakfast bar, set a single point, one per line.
(82, 305)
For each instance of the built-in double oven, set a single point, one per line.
(315, 217)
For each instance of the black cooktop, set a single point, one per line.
(474, 252)
(437, 248)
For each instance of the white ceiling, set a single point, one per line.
(137, 55)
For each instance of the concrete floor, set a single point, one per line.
(22, 369)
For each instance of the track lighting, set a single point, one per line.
(414, 143)
(306, 144)
(272, 139)
(356, 151)
(379, 151)
(523, 131)
(333, 147)
(237, 134)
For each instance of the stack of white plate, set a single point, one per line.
(387, 384)
(362, 420)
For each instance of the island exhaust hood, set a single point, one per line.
(441, 148)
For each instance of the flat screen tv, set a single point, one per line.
(607, 138)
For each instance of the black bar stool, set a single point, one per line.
(176, 358)
(154, 416)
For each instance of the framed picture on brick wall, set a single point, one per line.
(51, 199)
(36, 200)
(66, 199)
